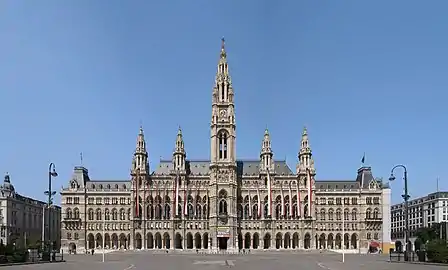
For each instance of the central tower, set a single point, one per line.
(223, 177)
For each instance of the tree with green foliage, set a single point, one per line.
(437, 251)
(427, 234)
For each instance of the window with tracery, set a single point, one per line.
(223, 145)
(223, 202)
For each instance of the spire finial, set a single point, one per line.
(305, 131)
(223, 49)
(179, 131)
(7, 179)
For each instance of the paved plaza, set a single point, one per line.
(261, 261)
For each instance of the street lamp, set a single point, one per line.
(51, 173)
(405, 197)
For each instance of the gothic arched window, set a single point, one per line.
(223, 202)
(223, 146)
(167, 211)
(91, 214)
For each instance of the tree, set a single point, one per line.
(427, 234)
(437, 251)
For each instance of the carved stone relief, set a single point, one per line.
(223, 176)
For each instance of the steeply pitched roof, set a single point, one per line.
(201, 167)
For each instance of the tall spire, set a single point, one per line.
(223, 91)
(179, 154)
(266, 154)
(223, 114)
(140, 160)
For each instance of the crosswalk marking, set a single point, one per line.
(221, 263)
(210, 262)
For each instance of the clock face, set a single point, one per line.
(223, 113)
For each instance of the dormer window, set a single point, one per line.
(73, 185)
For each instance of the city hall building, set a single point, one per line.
(225, 203)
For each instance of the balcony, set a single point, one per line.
(72, 219)
(373, 219)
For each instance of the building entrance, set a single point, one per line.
(222, 243)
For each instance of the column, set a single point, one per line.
(131, 239)
(236, 243)
(184, 235)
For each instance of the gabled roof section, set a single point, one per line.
(363, 180)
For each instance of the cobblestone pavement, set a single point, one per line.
(261, 261)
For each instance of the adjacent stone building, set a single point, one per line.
(26, 222)
(224, 202)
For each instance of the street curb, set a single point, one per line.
(27, 263)
(422, 263)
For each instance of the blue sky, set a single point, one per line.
(363, 76)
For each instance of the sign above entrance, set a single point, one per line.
(223, 232)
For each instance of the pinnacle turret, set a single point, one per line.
(141, 144)
(179, 154)
(306, 161)
(140, 160)
(266, 154)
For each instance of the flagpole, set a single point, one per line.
(269, 194)
(104, 240)
(343, 231)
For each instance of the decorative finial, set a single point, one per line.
(179, 131)
(305, 131)
(223, 43)
(140, 132)
(7, 179)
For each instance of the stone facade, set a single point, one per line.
(222, 203)
(24, 221)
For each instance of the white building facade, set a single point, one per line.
(423, 212)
